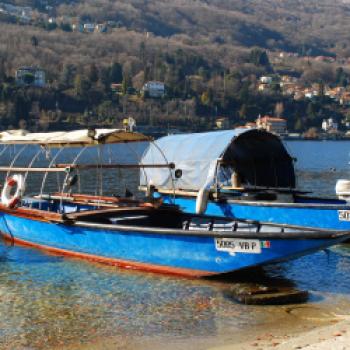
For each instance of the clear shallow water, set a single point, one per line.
(48, 302)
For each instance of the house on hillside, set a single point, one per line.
(329, 125)
(117, 88)
(89, 27)
(249, 125)
(264, 87)
(344, 99)
(78, 27)
(101, 28)
(327, 59)
(30, 76)
(266, 80)
(271, 124)
(154, 89)
(298, 95)
(222, 123)
(266, 84)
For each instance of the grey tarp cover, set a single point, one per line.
(259, 158)
(195, 154)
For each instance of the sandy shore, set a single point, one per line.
(331, 337)
(330, 334)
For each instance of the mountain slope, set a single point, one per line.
(288, 24)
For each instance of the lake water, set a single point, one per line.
(320, 164)
(50, 302)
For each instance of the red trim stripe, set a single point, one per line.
(126, 264)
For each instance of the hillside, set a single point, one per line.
(314, 25)
(209, 53)
(217, 30)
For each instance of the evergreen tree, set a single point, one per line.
(21, 105)
(298, 125)
(78, 85)
(2, 70)
(81, 86)
(311, 112)
(93, 73)
(34, 41)
(341, 77)
(243, 112)
(259, 57)
(105, 73)
(244, 93)
(142, 53)
(67, 75)
(126, 83)
(66, 27)
(116, 74)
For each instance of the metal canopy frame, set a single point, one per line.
(73, 167)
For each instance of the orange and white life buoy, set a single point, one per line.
(7, 199)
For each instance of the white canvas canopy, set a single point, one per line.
(83, 137)
(257, 156)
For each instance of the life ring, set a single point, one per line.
(6, 198)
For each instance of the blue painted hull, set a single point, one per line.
(191, 255)
(308, 214)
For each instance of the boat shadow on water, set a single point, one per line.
(262, 286)
(320, 274)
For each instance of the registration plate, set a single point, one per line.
(235, 245)
(344, 215)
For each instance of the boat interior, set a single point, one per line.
(158, 217)
(142, 215)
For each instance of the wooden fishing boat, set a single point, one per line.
(133, 233)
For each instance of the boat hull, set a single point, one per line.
(188, 255)
(310, 214)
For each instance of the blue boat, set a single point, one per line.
(162, 240)
(241, 173)
(131, 233)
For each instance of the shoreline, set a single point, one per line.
(334, 336)
(307, 326)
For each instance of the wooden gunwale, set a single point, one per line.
(47, 216)
(90, 199)
(33, 214)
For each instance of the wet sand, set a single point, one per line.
(331, 337)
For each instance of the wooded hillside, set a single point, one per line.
(205, 51)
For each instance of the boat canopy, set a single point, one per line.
(83, 137)
(258, 157)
